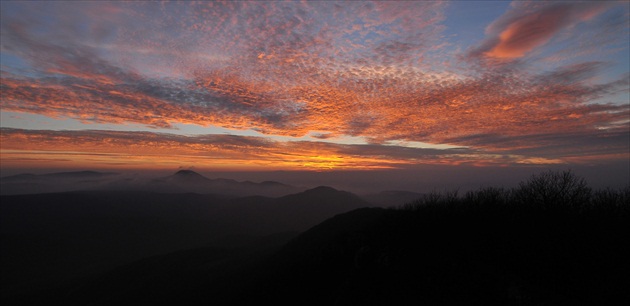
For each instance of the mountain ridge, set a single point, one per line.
(66, 174)
(182, 181)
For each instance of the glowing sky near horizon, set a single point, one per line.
(303, 85)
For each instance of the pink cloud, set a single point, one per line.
(522, 30)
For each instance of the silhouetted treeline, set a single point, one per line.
(547, 191)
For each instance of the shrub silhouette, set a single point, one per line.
(610, 201)
(552, 189)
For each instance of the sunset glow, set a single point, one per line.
(321, 86)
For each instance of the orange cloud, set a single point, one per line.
(380, 109)
(143, 150)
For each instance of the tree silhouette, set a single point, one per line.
(554, 189)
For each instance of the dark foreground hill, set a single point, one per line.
(49, 239)
(550, 241)
(446, 258)
(374, 256)
(558, 243)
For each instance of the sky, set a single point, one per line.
(320, 87)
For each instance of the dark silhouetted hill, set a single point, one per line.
(195, 276)
(550, 241)
(375, 256)
(50, 238)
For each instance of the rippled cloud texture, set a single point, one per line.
(547, 82)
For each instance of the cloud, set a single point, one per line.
(529, 26)
(379, 109)
(227, 152)
(605, 145)
(297, 68)
(573, 74)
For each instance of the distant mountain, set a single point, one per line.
(75, 174)
(323, 195)
(392, 198)
(305, 209)
(19, 177)
(54, 182)
(183, 181)
(191, 181)
(188, 176)
(80, 174)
